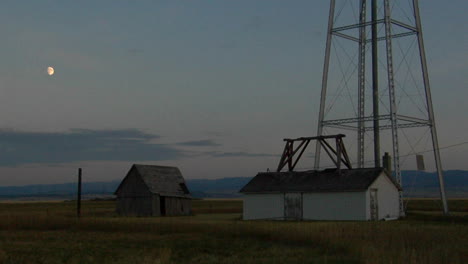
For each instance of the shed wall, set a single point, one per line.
(263, 206)
(134, 206)
(178, 206)
(133, 186)
(387, 196)
(133, 197)
(334, 206)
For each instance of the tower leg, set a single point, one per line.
(361, 83)
(430, 110)
(375, 85)
(393, 107)
(324, 83)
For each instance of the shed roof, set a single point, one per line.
(329, 180)
(162, 180)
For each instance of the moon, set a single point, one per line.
(50, 70)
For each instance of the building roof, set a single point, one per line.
(329, 180)
(162, 180)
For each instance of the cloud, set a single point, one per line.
(215, 133)
(17, 148)
(135, 51)
(238, 154)
(199, 143)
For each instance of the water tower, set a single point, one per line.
(375, 84)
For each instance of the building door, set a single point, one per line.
(162, 205)
(374, 205)
(293, 206)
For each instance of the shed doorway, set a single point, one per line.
(293, 206)
(162, 205)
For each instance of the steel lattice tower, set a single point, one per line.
(376, 35)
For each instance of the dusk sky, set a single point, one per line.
(211, 87)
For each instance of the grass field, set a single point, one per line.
(50, 233)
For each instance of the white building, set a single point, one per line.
(332, 194)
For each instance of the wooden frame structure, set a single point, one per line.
(338, 154)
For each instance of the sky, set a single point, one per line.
(211, 87)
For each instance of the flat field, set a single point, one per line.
(49, 232)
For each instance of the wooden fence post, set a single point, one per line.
(78, 200)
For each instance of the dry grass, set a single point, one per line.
(425, 204)
(49, 233)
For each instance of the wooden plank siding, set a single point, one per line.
(178, 206)
(135, 206)
(134, 197)
(150, 206)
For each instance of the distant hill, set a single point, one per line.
(426, 184)
(218, 188)
(415, 184)
(59, 191)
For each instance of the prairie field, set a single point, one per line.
(50, 232)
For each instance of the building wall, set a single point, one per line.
(133, 186)
(334, 206)
(178, 206)
(134, 206)
(133, 197)
(387, 196)
(263, 206)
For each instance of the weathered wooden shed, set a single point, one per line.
(332, 194)
(149, 190)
